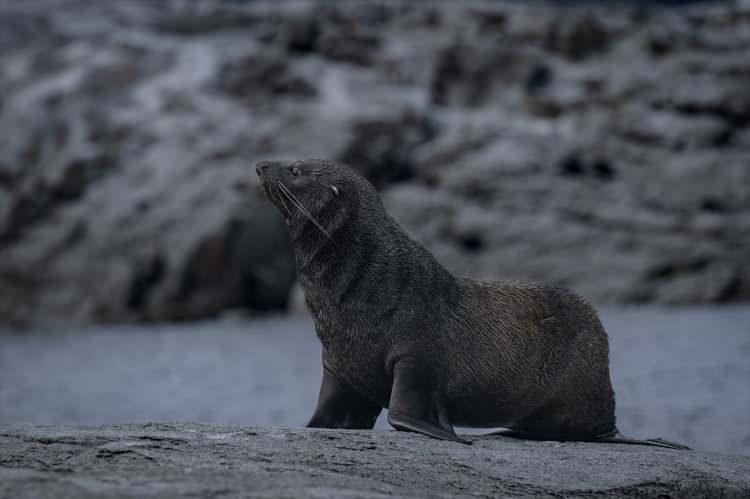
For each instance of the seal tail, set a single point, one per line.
(615, 437)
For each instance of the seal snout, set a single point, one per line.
(262, 167)
(265, 168)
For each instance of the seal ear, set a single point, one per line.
(335, 189)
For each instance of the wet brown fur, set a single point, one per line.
(400, 332)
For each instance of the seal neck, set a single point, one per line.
(372, 268)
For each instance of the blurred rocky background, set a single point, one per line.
(605, 147)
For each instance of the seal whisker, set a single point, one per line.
(287, 211)
(298, 204)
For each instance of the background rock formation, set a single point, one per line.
(604, 149)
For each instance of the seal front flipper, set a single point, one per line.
(416, 406)
(341, 406)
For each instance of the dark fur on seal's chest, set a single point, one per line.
(400, 332)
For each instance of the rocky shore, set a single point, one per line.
(603, 149)
(191, 460)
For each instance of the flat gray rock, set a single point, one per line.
(193, 460)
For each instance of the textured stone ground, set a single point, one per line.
(192, 460)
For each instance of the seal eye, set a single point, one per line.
(295, 171)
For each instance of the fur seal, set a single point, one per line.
(401, 332)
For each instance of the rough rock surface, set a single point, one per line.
(604, 149)
(190, 460)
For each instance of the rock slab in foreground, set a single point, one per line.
(191, 460)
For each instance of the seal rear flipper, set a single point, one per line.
(520, 435)
(341, 406)
(616, 437)
(415, 406)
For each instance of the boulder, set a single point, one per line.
(192, 460)
(383, 149)
(578, 37)
(262, 76)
